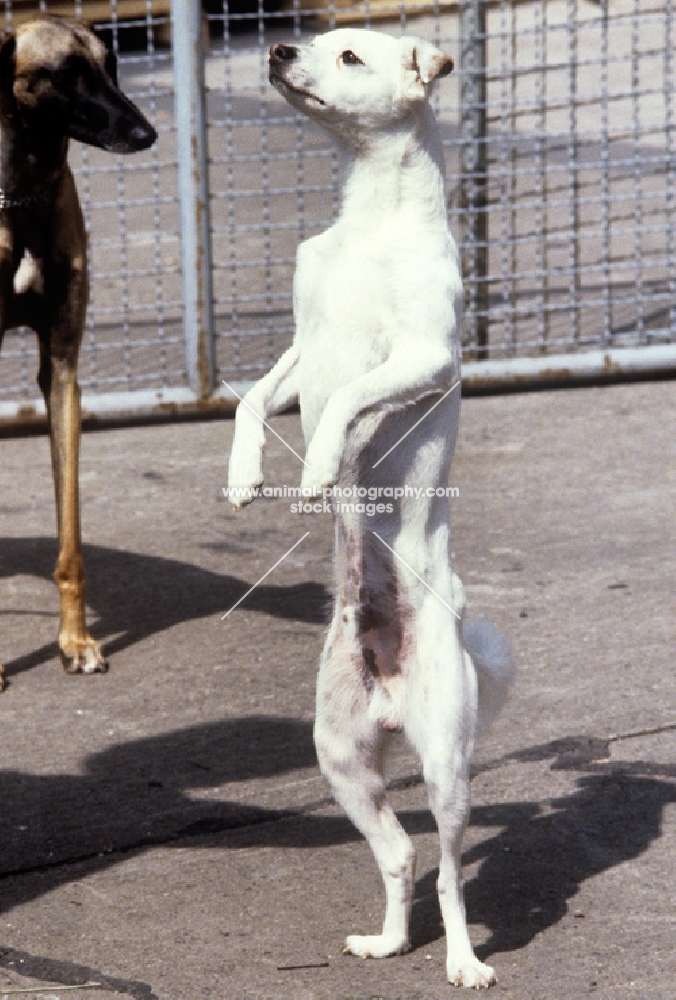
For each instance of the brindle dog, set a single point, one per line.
(57, 81)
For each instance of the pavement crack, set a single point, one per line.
(571, 752)
(634, 735)
(54, 970)
(579, 753)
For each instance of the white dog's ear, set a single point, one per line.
(423, 63)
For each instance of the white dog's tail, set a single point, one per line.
(491, 654)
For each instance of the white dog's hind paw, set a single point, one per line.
(374, 945)
(471, 972)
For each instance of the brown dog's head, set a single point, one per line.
(61, 78)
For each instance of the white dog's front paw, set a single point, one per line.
(322, 462)
(470, 972)
(245, 468)
(317, 480)
(374, 945)
(245, 478)
(240, 496)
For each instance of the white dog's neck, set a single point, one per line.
(396, 169)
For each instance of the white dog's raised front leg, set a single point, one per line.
(349, 750)
(412, 372)
(275, 392)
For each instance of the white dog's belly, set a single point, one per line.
(380, 595)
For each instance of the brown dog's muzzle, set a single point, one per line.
(111, 122)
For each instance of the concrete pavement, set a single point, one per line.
(164, 830)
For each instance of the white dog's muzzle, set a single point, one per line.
(281, 60)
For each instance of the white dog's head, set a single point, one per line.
(353, 78)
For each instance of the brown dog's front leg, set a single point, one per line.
(58, 379)
(6, 271)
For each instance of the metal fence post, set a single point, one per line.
(193, 194)
(473, 184)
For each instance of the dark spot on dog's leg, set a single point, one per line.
(370, 618)
(370, 662)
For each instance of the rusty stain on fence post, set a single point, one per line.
(473, 184)
(193, 194)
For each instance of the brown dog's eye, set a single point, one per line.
(350, 59)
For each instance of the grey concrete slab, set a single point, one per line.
(164, 829)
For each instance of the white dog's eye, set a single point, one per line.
(350, 59)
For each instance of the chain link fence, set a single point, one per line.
(581, 169)
(558, 127)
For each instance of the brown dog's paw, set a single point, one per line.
(87, 658)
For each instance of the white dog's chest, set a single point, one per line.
(345, 291)
(355, 295)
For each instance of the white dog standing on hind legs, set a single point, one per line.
(375, 365)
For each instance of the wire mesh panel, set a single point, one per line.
(567, 230)
(580, 175)
(133, 337)
(577, 246)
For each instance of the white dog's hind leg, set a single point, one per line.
(444, 717)
(449, 801)
(350, 749)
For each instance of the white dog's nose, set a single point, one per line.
(282, 53)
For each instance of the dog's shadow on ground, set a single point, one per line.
(140, 794)
(134, 595)
(145, 793)
(542, 854)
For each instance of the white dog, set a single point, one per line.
(375, 365)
